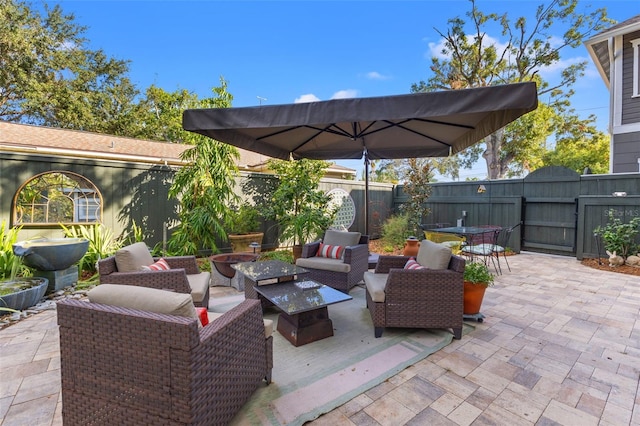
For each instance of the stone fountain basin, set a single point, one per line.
(51, 254)
(223, 262)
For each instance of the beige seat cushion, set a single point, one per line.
(341, 238)
(145, 299)
(376, 283)
(433, 255)
(133, 257)
(268, 324)
(324, 264)
(199, 284)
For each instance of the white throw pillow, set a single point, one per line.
(433, 255)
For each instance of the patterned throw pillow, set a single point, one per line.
(160, 265)
(412, 264)
(332, 252)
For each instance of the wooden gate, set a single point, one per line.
(549, 210)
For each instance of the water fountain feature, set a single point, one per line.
(53, 259)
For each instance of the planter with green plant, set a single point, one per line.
(301, 210)
(18, 289)
(243, 228)
(477, 277)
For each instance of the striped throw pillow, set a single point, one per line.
(332, 252)
(412, 264)
(160, 265)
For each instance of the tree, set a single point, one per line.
(475, 61)
(581, 146)
(300, 208)
(417, 174)
(205, 187)
(49, 77)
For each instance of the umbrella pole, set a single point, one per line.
(366, 193)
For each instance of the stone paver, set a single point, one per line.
(560, 345)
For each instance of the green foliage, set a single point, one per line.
(619, 237)
(205, 187)
(395, 231)
(243, 219)
(282, 255)
(473, 60)
(300, 208)
(478, 273)
(49, 76)
(417, 175)
(581, 145)
(102, 244)
(11, 266)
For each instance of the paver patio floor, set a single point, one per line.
(560, 345)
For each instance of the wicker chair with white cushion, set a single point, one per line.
(339, 260)
(424, 293)
(135, 355)
(132, 265)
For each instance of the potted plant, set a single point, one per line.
(477, 277)
(243, 228)
(18, 290)
(301, 210)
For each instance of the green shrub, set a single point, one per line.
(11, 266)
(619, 237)
(478, 273)
(102, 244)
(395, 231)
(282, 255)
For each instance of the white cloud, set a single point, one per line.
(306, 98)
(344, 94)
(374, 75)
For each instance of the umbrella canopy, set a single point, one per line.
(432, 124)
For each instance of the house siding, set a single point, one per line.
(630, 105)
(626, 149)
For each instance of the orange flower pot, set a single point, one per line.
(411, 247)
(473, 295)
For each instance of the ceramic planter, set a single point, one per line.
(473, 295)
(240, 243)
(411, 247)
(24, 299)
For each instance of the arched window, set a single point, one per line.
(57, 197)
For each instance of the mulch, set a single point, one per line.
(604, 266)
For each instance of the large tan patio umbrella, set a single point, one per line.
(433, 124)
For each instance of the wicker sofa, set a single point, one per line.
(127, 266)
(127, 366)
(344, 272)
(416, 298)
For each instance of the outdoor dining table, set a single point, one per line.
(472, 234)
(468, 231)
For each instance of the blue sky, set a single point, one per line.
(276, 52)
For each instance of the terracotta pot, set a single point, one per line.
(473, 295)
(297, 252)
(411, 247)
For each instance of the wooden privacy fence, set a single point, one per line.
(557, 208)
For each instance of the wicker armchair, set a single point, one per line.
(422, 298)
(123, 366)
(184, 276)
(344, 273)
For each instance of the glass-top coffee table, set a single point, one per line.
(266, 272)
(304, 316)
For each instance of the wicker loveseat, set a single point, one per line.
(417, 298)
(127, 266)
(126, 366)
(344, 272)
